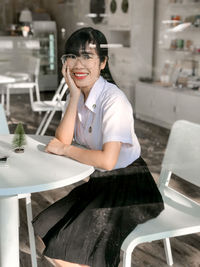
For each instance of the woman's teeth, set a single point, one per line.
(80, 75)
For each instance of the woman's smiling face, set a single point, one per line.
(85, 68)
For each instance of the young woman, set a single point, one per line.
(88, 226)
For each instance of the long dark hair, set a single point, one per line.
(87, 35)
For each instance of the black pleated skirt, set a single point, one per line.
(89, 225)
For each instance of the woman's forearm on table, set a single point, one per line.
(104, 159)
(65, 130)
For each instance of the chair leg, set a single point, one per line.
(3, 99)
(42, 123)
(48, 122)
(31, 97)
(31, 231)
(168, 251)
(8, 101)
(127, 255)
(37, 92)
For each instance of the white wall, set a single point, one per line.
(129, 63)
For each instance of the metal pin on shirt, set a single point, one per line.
(90, 129)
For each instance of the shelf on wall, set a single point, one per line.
(182, 51)
(184, 5)
(189, 28)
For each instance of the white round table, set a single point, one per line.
(29, 172)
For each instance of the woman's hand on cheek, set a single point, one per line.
(64, 73)
(74, 90)
(56, 147)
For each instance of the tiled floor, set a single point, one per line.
(153, 139)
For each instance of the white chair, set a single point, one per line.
(3, 122)
(26, 75)
(181, 215)
(5, 130)
(51, 106)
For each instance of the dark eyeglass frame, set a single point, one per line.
(84, 56)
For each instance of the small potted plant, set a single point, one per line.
(19, 140)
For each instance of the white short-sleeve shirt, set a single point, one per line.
(107, 116)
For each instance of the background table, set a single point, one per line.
(28, 172)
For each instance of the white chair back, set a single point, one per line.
(181, 215)
(3, 122)
(60, 91)
(26, 70)
(182, 155)
(56, 104)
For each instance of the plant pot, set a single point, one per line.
(19, 150)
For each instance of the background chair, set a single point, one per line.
(51, 106)
(5, 130)
(181, 215)
(3, 122)
(25, 70)
(4, 80)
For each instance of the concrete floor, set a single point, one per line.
(153, 139)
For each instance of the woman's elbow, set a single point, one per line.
(110, 155)
(62, 139)
(57, 134)
(108, 168)
(109, 165)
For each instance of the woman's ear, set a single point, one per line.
(103, 63)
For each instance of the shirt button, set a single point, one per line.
(94, 106)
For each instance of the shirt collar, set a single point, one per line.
(91, 102)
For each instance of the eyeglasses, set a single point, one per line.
(85, 59)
